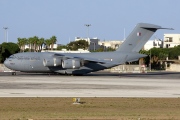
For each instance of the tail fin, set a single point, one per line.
(138, 37)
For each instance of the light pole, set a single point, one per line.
(87, 25)
(5, 34)
(150, 60)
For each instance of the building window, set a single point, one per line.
(169, 39)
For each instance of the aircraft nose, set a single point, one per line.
(6, 63)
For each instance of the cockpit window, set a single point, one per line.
(12, 57)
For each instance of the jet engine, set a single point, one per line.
(72, 63)
(51, 62)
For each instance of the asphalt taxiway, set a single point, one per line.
(100, 84)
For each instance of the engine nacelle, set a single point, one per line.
(51, 62)
(71, 63)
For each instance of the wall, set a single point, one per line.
(174, 67)
(128, 69)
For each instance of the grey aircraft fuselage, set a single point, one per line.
(34, 62)
(82, 63)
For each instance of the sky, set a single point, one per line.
(66, 19)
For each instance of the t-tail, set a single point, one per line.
(138, 37)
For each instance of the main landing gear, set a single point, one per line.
(13, 73)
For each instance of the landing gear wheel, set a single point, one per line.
(13, 73)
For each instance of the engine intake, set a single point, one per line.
(51, 62)
(71, 64)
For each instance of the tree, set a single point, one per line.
(61, 47)
(8, 49)
(40, 44)
(35, 41)
(30, 42)
(53, 41)
(147, 58)
(47, 43)
(2, 51)
(110, 49)
(101, 49)
(174, 53)
(80, 44)
(157, 54)
(21, 43)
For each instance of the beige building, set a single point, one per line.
(111, 44)
(171, 40)
(157, 43)
(93, 42)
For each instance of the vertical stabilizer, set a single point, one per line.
(138, 37)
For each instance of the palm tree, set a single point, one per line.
(47, 43)
(30, 42)
(35, 41)
(40, 43)
(53, 40)
(22, 42)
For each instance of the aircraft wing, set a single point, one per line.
(79, 57)
(91, 59)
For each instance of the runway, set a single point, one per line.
(92, 85)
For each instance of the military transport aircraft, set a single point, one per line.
(83, 63)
